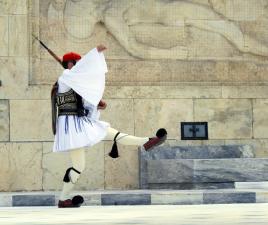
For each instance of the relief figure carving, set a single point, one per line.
(151, 29)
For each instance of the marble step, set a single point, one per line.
(139, 197)
(199, 152)
(251, 185)
(205, 171)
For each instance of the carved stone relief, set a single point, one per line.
(188, 30)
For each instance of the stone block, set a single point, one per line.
(125, 199)
(261, 197)
(191, 186)
(4, 120)
(227, 118)
(3, 35)
(14, 77)
(4, 6)
(18, 7)
(207, 170)
(260, 146)
(18, 38)
(199, 152)
(200, 167)
(177, 199)
(166, 92)
(5, 200)
(230, 170)
(247, 72)
(33, 200)
(30, 120)
(21, 168)
(245, 91)
(184, 143)
(260, 122)
(55, 165)
(150, 115)
(229, 198)
(170, 171)
(92, 199)
(145, 73)
(123, 172)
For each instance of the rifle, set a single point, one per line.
(54, 88)
(49, 51)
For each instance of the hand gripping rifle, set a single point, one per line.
(54, 88)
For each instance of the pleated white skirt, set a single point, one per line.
(76, 132)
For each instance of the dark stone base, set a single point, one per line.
(192, 186)
(124, 199)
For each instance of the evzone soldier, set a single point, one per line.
(76, 101)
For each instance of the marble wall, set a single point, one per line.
(169, 62)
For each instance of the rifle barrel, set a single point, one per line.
(49, 51)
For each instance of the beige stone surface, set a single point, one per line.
(179, 142)
(247, 72)
(20, 166)
(260, 120)
(120, 114)
(227, 119)
(165, 92)
(55, 164)
(14, 77)
(13, 7)
(4, 120)
(122, 172)
(4, 7)
(18, 7)
(18, 36)
(150, 115)
(30, 120)
(3, 35)
(245, 92)
(41, 92)
(246, 10)
(199, 43)
(142, 72)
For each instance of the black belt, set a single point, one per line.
(73, 112)
(67, 112)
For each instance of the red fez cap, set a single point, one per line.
(71, 56)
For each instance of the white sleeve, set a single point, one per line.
(87, 77)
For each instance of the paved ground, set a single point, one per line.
(233, 214)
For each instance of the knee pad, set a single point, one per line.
(67, 177)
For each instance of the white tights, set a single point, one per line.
(79, 163)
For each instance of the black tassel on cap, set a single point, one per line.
(114, 151)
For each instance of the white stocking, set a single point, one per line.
(78, 163)
(125, 139)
